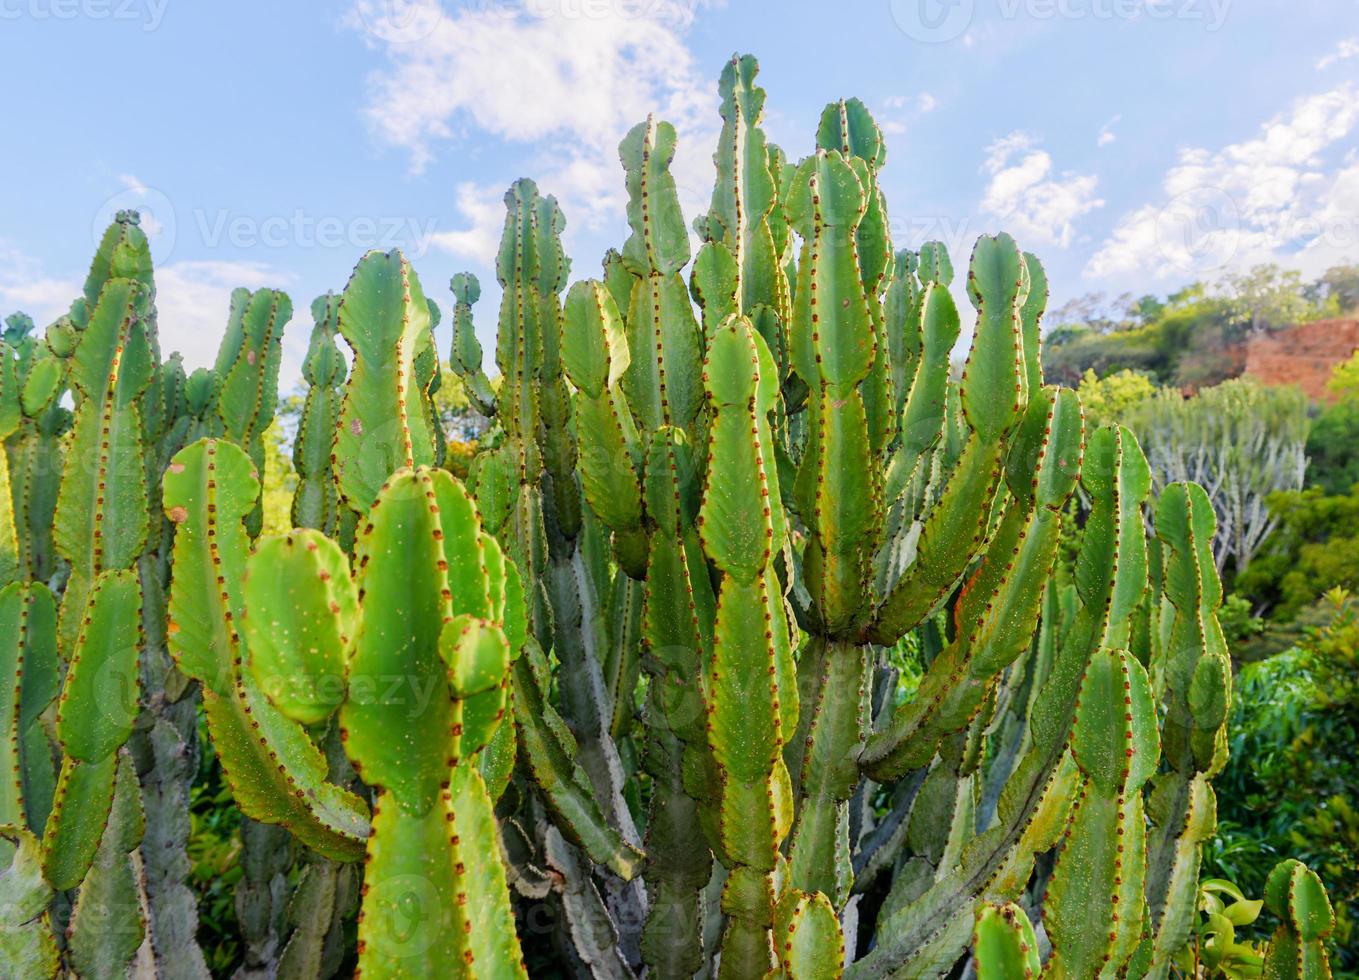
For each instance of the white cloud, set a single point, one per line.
(1269, 198)
(564, 81)
(1040, 207)
(192, 301)
(1107, 134)
(1348, 48)
(898, 111)
(26, 287)
(482, 207)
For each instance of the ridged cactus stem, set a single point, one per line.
(276, 772)
(1192, 666)
(1297, 950)
(533, 476)
(315, 502)
(436, 605)
(102, 528)
(834, 346)
(1111, 577)
(384, 424)
(752, 704)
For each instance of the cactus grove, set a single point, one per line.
(629, 697)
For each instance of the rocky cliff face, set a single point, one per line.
(1303, 355)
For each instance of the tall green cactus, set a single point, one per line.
(529, 489)
(644, 667)
(102, 525)
(316, 503)
(420, 643)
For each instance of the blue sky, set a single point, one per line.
(1134, 144)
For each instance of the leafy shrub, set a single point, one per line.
(1288, 789)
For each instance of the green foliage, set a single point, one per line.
(1333, 465)
(1113, 397)
(1295, 730)
(1215, 950)
(1314, 549)
(1193, 339)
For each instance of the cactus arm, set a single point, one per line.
(834, 720)
(1004, 945)
(1192, 664)
(107, 925)
(11, 417)
(27, 946)
(315, 503)
(101, 518)
(99, 700)
(94, 718)
(248, 368)
(275, 771)
(1297, 950)
(662, 384)
(1183, 814)
(427, 577)
(998, 612)
(752, 693)
(384, 318)
(1095, 903)
(994, 395)
(745, 195)
(1031, 320)
(465, 356)
(1032, 811)
(659, 242)
(549, 751)
(808, 941)
(595, 355)
(302, 612)
(80, 813)
(123, 253)
(11, 557)
(29, 662)
(593, 931)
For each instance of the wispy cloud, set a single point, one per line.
(1273, 197)
(25, 286)
(1107, 134)
(563, 83)
(1348, 48)
(1041, 207)
(899, 111)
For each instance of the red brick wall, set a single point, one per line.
(1303, 355)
